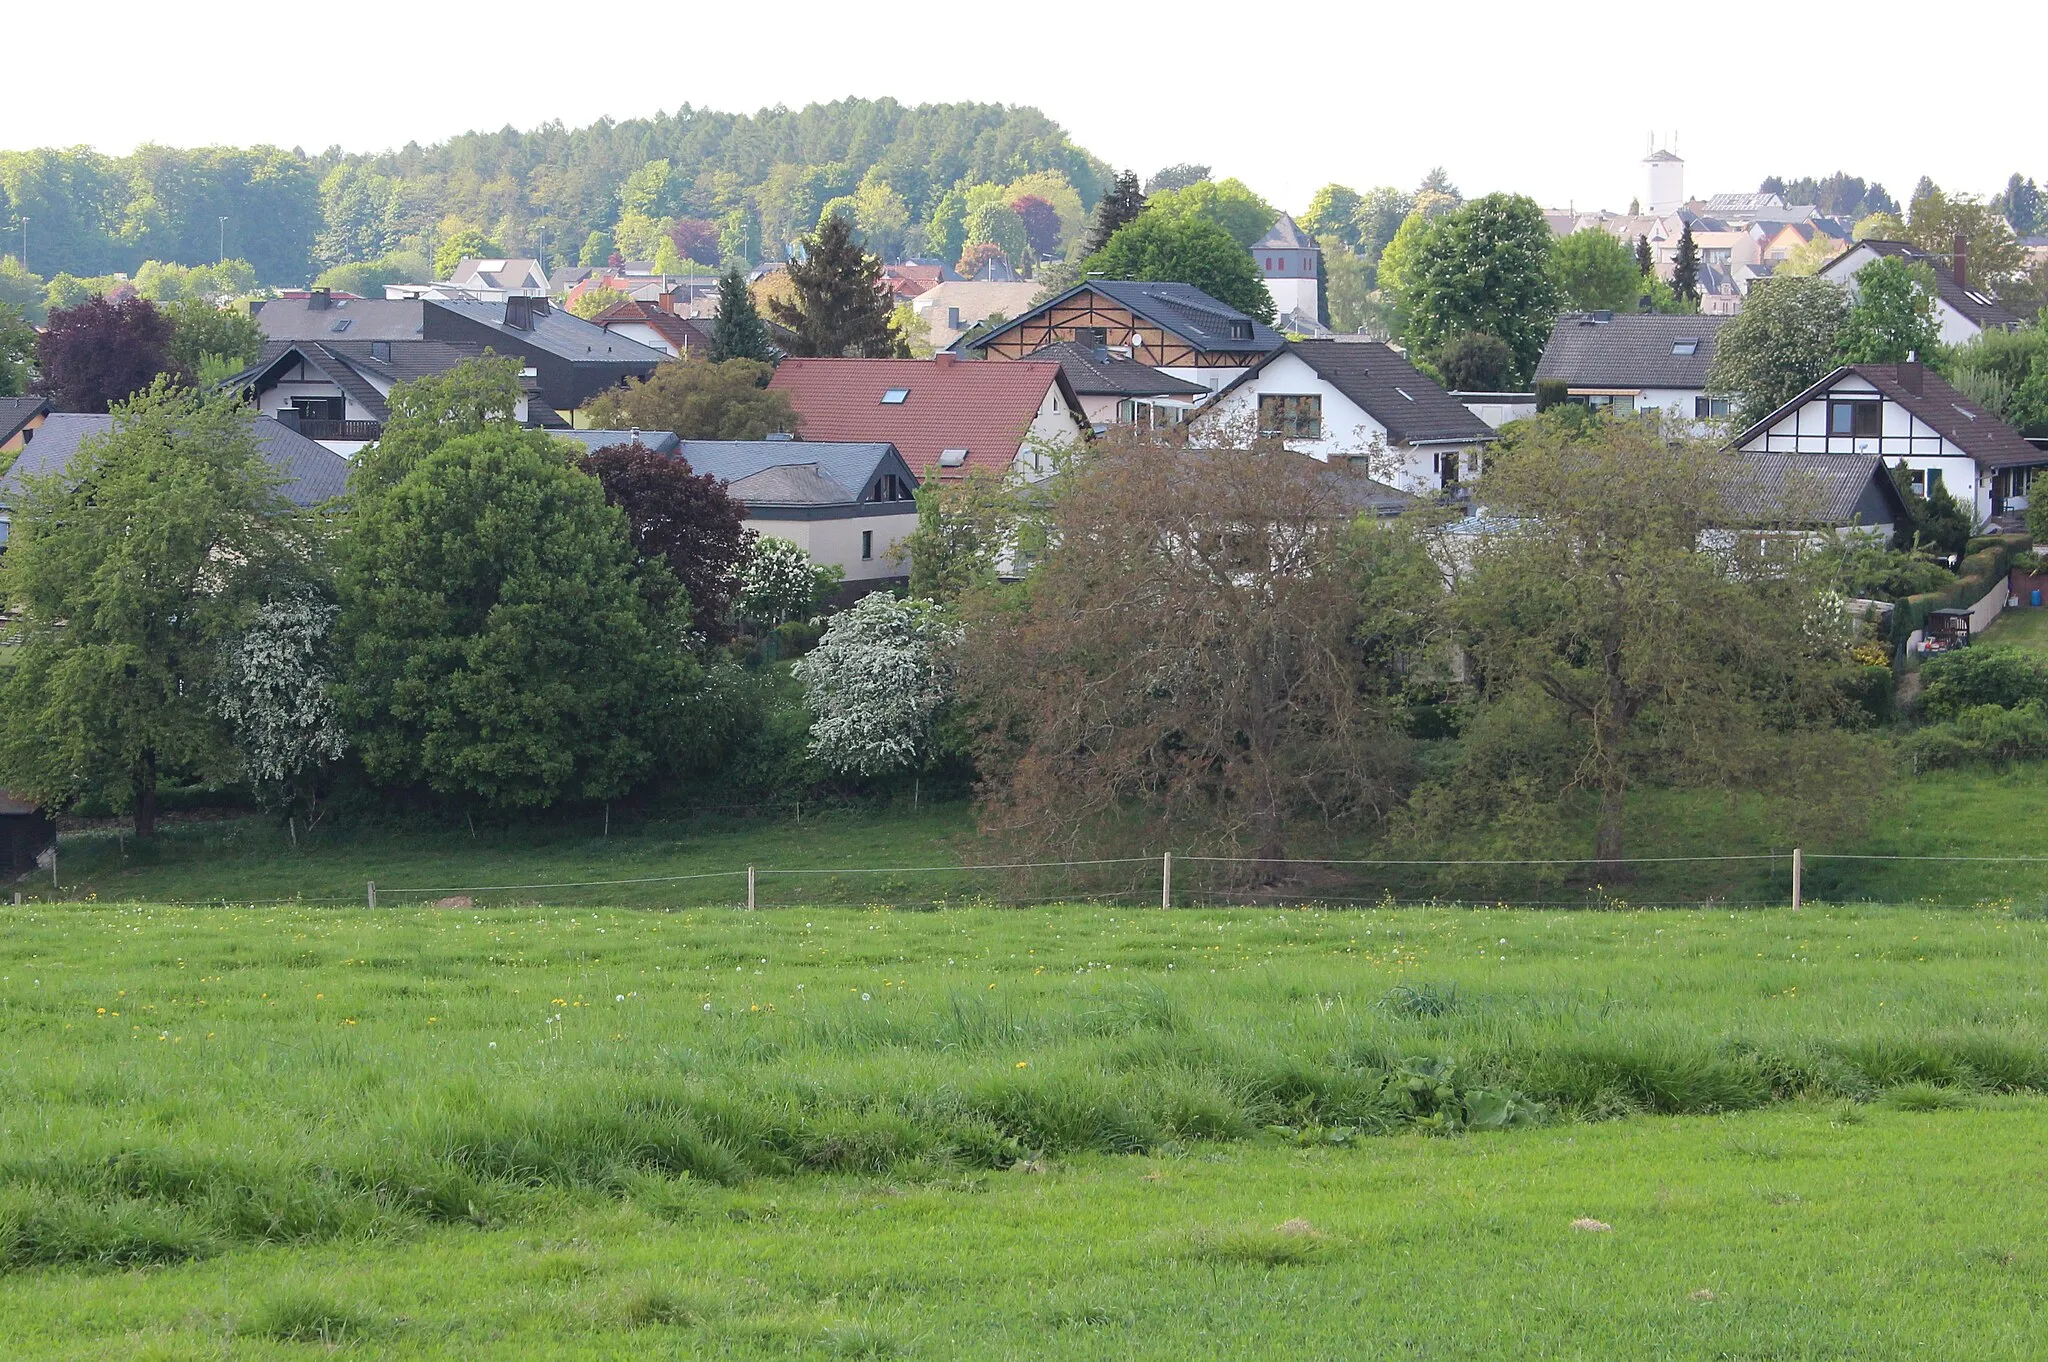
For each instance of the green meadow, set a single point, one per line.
(1082, 1130)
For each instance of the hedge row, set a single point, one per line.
(1988, 562)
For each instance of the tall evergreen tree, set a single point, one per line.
(1124, 201)
(1645, 262)
(841, 308)
(737, 331)
(1685, 272)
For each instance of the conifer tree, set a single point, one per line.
(1124, 201)
(841, 308)
(1685, 273)
(736, 330)
(1645, 262)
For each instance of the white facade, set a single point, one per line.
(862, 546)
(1956, 329)
(643, 333)
(1809, 429)
(1055, 427)
(1294, 295)
(1345, 429)
(1666, 174)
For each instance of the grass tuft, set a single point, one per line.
(307, 1317)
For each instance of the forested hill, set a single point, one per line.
(716, 184)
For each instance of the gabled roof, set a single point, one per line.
(16, 412)
(312, 473)
(318, 318)
(514, 273)
(1283, 235)
(1813, 489)
(1182, 309)
(1629, 350)
(1097, 372)
(1986, 312)
(658, 441)
(983, 407)
(1957, 419)
(1412, 407)
(770, 473)
(686, 334)
(352, 364)
(556, 330)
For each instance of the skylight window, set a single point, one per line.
(895, 397)
(1971, 415)
(1981, 299)
(1405, 393)
(344, 324)
(1686, 345)
(952, 458)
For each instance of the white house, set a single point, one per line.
(1338, 398)
(334, 391)
(1964, 310)
(1640, 361)
(487, 281)
(1904, 412)
(848, 505)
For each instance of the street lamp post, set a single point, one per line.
(24, 241)
(223, 240)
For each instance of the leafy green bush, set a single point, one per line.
(1974, 677)
(1986, 734)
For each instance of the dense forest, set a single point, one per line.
(714, 185)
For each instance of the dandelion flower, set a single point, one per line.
(621, 998)
(1023, 1063)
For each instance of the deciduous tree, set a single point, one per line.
(1893, 317)
(1780, 344)
(876, 681)
(1595, 270)
(98, 353)
(1188, 249)
(1484, 267)
(700, 400)
(211, 342)
(683, 519)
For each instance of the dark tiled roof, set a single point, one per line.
(1096, 372)
(556, 330)
(659, 441)
(16, 412)
(1392, 391)
(1183, 309)
(1630, 350)
(352, 364)
(1813, 489)
(984, 407)
(794, 472)
(312, 473)
(1980, 307)
(355, 319)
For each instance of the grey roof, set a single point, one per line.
(1958, 419)
(1629, 350)
(352, 364)
(312, 473)
(807, 472)
(1183, 309)
(1284, 235)
(1813, 489)
(1413, 408)
(556, 330)
(1096, 372)
(1980, 307)
(16, 412)
(365, 318)
(660, 441)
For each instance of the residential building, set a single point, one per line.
(309, 474)
(1290, 261)
(486, 281)
(1176, 328)
(948, 310)
(848, 504)
(1907, 413)
(336, 392)
(1116, 391)
(1361, 400)
(658, 326)
(1635, 361)
(1964, 310)
(656, 441)
(573, 360)
(19, 417)
(946, 415)
(1789, 493)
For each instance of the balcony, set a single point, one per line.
(341, 430)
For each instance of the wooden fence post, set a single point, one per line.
(373, 894)
(1798, 874)
(750, 889)
(1166, 880)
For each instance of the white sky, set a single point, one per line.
(1556, 101)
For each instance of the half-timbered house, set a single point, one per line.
(1176, 328)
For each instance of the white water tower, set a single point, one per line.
(1667, 181)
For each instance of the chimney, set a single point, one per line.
(1961, 260)
(1646, 303)
(945, 359)
(519, 314)
(319, 300)
(1909, 373)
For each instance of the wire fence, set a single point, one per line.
(1763, 879)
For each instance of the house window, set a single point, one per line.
(1855, 417)
(895, 397)
(381, 351)
(1092, 335)
(1686, 345)
(1706, 408)
(320, 408)
(344, 324)
(867, 545)
(1293, 418)
(1447, 471)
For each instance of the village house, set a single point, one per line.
(947, 416)
(658, 326)
(1290, 262)
(948, 311)
(1906, 413)
(336, 392)
(1357, 400)
(1116, 391)
(1175, 328)
(1964, 310)
(19, 417)
(848, 504)
(1635, 361)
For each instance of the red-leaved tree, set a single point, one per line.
(100, 352)
(696, 239)
(685, 519)
(1041, 224)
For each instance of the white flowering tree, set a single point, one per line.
(273, 691)
(780, 581)
(875, 681)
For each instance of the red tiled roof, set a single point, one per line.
(685, 334)
(982, 407)
(908, 281)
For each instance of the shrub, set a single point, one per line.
(1974, 677)
(1985, 733)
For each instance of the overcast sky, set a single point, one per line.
(1555, 101)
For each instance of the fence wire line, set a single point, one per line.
(1587, 860)
(1874, 856)
(565, 884)
(763, 871)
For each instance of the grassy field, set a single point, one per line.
(1073, 1131)
(2021, 628)
(830, 857)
